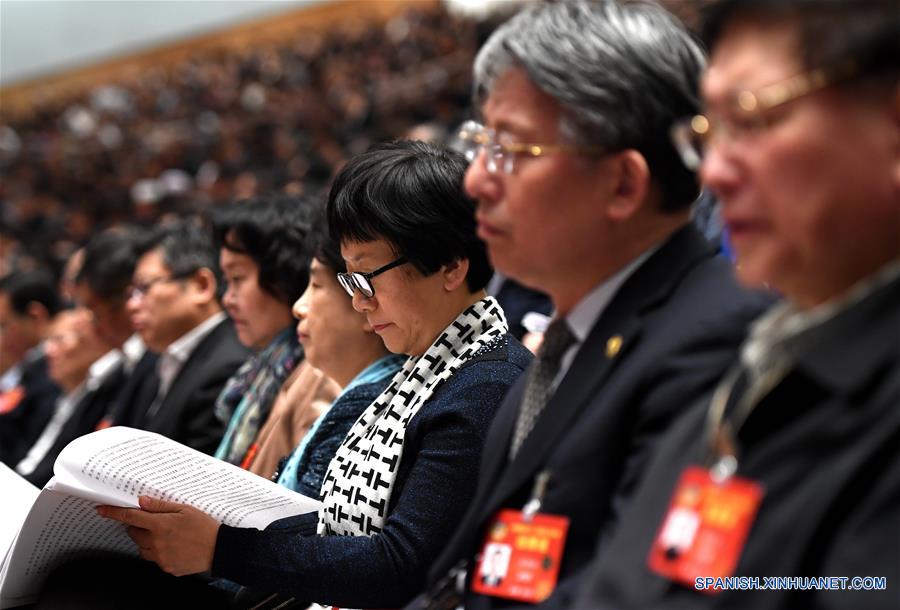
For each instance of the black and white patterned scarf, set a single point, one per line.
(357, 487)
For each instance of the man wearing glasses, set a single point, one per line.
(175, 309)
(582, 195)
(783, 491)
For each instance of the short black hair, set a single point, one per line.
(410, 194)
(186, 248)
(109, 261)
(274, 232)
(830, 31)
(34, 286)
(325, 248)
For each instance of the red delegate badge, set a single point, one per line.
(705, 528)
(10, 400)
(520, 559)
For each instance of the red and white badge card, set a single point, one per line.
(705, 529)
(520, 559)
(10, 399)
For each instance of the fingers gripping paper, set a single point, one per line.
(116, 466)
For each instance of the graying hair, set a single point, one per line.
(621, 72)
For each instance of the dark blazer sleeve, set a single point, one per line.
(438, 470)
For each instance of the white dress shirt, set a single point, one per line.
(172, 360)
(99, 372)
(588, 310)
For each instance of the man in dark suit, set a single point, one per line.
(581, 195)
(28, 303)
(174, 307)
(101, 286)
(792, 470)
(89, 374)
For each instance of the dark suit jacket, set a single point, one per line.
(825, 445)
(680, 318)
(21, 427)
(120, 410)
(186, 414)
(83, 420)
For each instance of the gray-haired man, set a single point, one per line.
(582, 195)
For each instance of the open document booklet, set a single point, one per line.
(42, 529)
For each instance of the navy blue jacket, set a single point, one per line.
(435, 482)
(331, 432)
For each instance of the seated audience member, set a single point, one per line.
(397, 485)
(518, 301)
(101, 285)
(582, 195)
(264, 257)
(793, 468)
(28, 303)
(89, 373)
(341, 343)
(174, 307)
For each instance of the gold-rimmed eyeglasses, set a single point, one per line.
(475, 137)
(693, 136)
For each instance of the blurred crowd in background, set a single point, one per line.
(229, 124)
(224, 125)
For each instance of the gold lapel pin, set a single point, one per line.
(613, 345)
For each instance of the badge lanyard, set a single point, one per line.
(533, 506)
(712, 510)
(722, 432)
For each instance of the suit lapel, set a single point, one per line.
(144, 396)
(132, 395)
(598, 357)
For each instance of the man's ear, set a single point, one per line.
(205, 284)
(630, 184)
(454, 273)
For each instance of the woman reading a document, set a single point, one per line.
(406, 471)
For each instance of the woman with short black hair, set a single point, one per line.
(400, 482)
(408, 195)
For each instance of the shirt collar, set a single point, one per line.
(102, 368)
(182, 348)
(585, 314)
(385, 366)
(133, 349)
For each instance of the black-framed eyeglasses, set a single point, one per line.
(693, 136)
(356, 280)
(140, 289)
